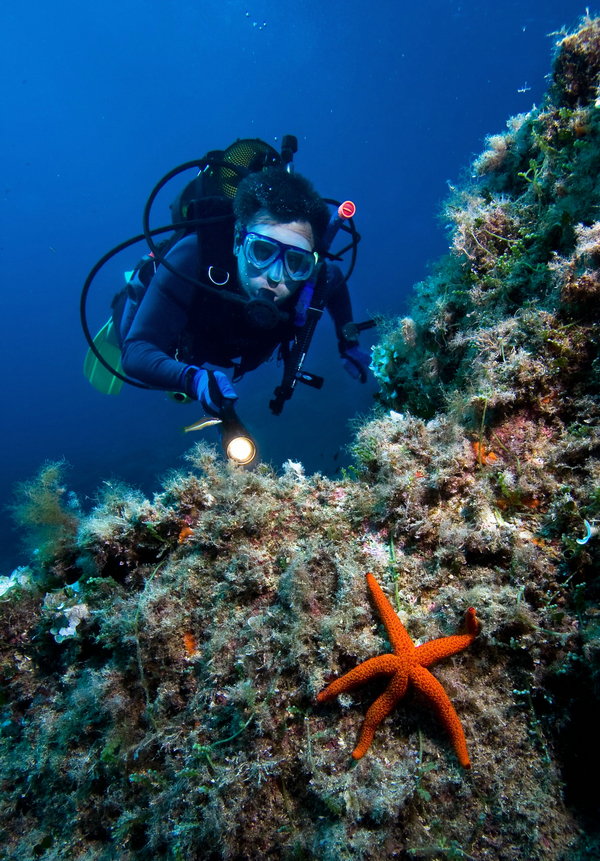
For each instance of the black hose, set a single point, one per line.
(201, 164)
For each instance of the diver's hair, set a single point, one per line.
(283, 197)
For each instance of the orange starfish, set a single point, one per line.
(408, 662)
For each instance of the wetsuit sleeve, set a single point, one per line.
(163, 315)
(338, 305)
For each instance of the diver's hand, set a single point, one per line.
(356, 362)
(212, 389)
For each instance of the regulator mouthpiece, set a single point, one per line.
(262, 313)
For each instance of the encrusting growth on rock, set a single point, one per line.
(408, 663)
(160, 658)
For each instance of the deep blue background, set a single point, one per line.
(389, 101)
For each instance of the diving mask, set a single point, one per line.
(262, 252)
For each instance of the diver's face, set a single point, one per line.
(275, 278)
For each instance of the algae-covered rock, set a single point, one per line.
(160, 666)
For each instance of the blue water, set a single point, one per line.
(389, 103)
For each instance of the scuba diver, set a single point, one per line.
(244, 275)
(270, 253)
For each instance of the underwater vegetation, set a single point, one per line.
(161, 659)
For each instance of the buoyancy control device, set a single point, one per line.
(204, 204)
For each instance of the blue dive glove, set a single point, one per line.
(356, 362)
(211, 388)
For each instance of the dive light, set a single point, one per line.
(238, 445)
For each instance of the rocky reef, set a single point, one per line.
(161, 659)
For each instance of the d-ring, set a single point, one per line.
(218, 283)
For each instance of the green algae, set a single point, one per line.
(178, 718)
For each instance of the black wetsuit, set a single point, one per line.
(179, 324)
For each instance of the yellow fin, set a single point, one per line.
(100, 377)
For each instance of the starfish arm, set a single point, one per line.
(443, 647)
(399, 637)
(380, 709)
(383, 665)
(429, 685)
